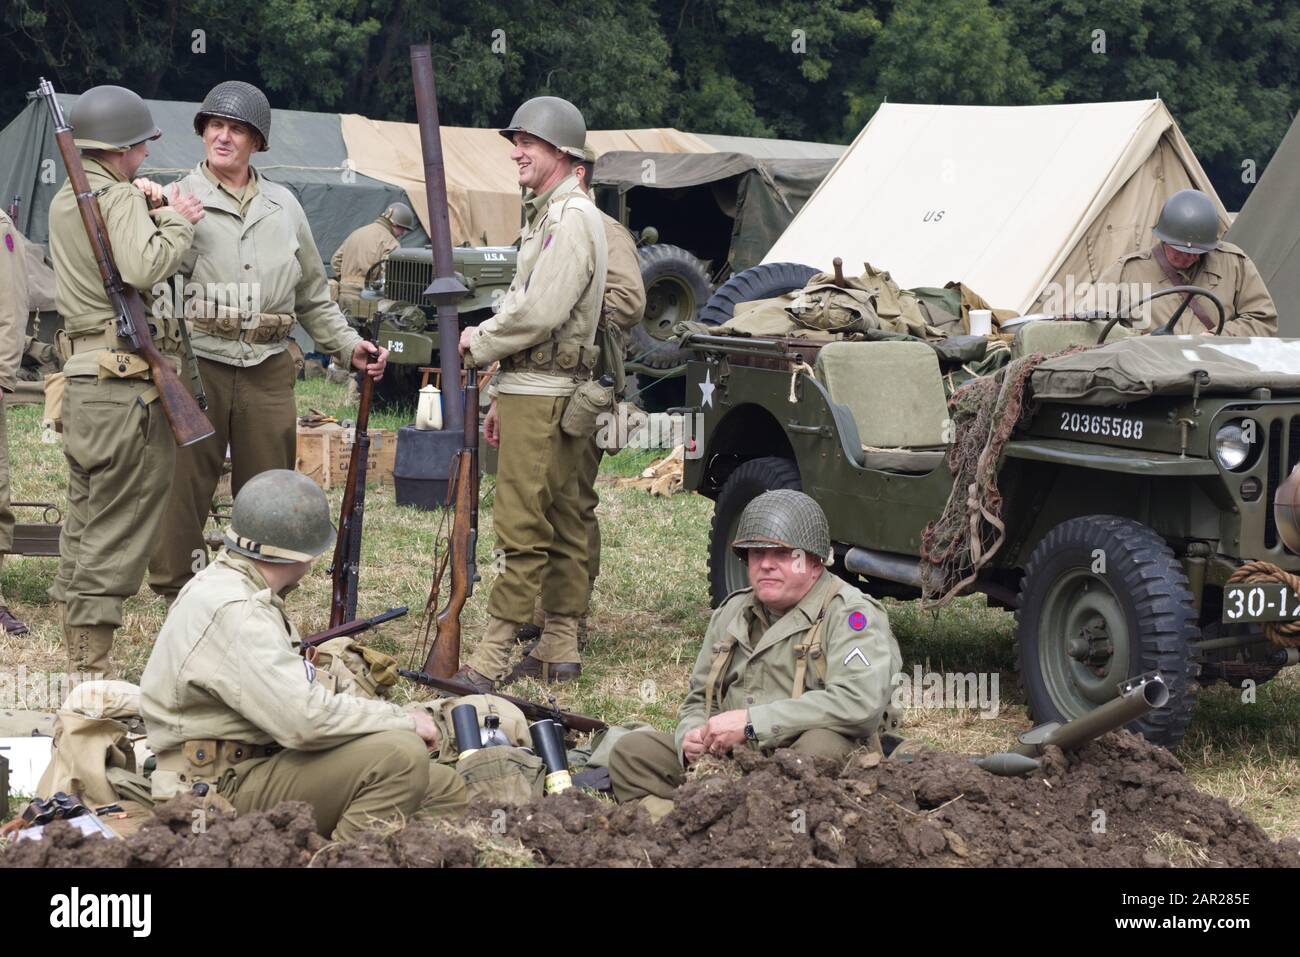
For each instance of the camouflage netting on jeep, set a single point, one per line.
(984, 413)
(1144, 366)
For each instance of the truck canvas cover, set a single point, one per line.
(1140, 367)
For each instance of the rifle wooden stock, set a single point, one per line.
(444, 657)
(187, 421)
(346, 566)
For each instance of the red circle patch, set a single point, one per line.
(857, 621)
(9, 241)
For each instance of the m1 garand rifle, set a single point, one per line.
(186, 418)
(346, 565)
(446, 291)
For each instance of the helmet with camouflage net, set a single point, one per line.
(399, 214)
(111, 118)
(550, 118)
(783, 518)
(280, 516)
(1189, 222)
(237, 100)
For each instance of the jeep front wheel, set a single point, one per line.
(727, 573)
(1104, 599)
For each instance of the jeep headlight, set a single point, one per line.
(1234, 443)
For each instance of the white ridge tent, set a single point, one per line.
(1023, 204)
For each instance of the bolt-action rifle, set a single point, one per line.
(346, 566)
(187, 421)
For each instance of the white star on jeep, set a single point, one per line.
(706, 389)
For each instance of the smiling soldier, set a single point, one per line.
(800, 659)
(544, 335)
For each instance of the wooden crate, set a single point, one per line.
(324, 452)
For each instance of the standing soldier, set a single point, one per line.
(544, 336)
(256, 267)
(118, 444)
(621, 309)
(13, 326)
(367, 246)
(1188, 252)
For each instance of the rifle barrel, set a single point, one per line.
(531, 709)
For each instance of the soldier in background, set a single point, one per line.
(621, 308)
(227, 700)
(800, 659)
(119, 447)
(13, 326)
(544, 336)
(256, 267)
(367, 246)
(1188, 252)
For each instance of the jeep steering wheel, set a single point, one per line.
(1168, 327)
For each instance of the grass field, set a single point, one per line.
(648, 616)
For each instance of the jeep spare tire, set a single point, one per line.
(1104, 599)
(676, 286)
(749, 480)
(765, 281)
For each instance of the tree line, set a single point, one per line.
(1229, 70)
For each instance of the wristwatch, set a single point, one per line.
(750, 733)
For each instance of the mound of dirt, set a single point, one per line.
(1120, 802)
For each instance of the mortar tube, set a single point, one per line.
(464, 722)
(1129, 706)
(546, 744)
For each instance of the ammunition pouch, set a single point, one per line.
(502, 775)
(588, 403)
(557, 358)
(226, 323)
(210, 761)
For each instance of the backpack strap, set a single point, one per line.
(811, 649)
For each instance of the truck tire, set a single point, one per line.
(750, 479)
(764, 281)
(676, 286)
(1104, 599)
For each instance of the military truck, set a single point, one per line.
(1144, 474)
(409, 321)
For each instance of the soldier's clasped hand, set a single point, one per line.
(187, 204)
(362, 356)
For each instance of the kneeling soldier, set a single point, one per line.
(228, 702)
(800, 659)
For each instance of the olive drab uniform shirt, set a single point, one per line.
(554, 301)
(255, 262)
(147, 247)
(1227, 272)
(13, 301)
(360, 251)
(225, 666)
(860, 654)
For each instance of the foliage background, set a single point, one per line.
(804, 69)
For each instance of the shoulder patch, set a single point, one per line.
(9, 241)
(857, 620)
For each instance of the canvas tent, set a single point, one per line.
(307, 155)
(482, 190)
(762, 148)
(1268, 228)
(749, 202)
(1017, 202)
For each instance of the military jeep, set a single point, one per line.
(1127, 510)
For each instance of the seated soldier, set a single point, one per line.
(228, 702)
(801, 659)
